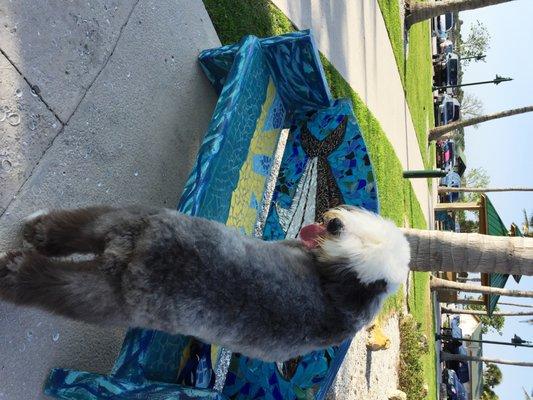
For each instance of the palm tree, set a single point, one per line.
(452, 310)
(469, 252)
(514, 304)
(446, 189)
(419, 11)
(461, 357)
(444, 284)
(439, 132)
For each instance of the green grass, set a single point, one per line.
(415, 71)
(419, 303)
(418, 85)
(235, 18)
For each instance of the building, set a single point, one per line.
(490, 223)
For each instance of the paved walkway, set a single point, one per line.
(353, 36)
(118, 108)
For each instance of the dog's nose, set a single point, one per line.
(334, 226)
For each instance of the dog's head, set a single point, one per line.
(358, 241)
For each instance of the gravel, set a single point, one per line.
(369, 375)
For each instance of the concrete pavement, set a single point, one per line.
(353, 36)
(116, 115)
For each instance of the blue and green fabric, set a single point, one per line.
(264, 85)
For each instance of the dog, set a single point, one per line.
(160, 269)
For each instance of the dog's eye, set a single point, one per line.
(334, 226)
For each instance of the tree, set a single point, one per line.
(494, 322)
(447, 189)
(474, 177)
(452, 310)
(526, 224)
(444, 284)
(476, 43)
(467, 225)
(492, 376)
(515, 304)
(471, 106)
(469, 252)
(462, 357)
(439, 132)
(488, 394)
(420, 11)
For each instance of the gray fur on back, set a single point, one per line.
(157, 268)
(268, 300)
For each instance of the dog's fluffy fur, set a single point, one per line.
(160, 269)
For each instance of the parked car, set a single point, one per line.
(452, 179)
(447, 71)
(446, 46)
(446, 221)
(445, 151)
(454, 330)
(460, 367)
(447, 109)
(442, 24)
(454, 388)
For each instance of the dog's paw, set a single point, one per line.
(10, 265)
(11, 261)
(34, 230)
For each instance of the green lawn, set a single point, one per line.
(235, 18)
(419, 303)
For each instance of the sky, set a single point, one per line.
(504, 149)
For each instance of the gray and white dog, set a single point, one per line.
(157, 268)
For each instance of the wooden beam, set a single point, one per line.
(469, 302)
(472, 206)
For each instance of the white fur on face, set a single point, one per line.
(369, 245)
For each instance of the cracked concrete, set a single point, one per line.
(25, 135)
(135, 106)
(61, 48)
